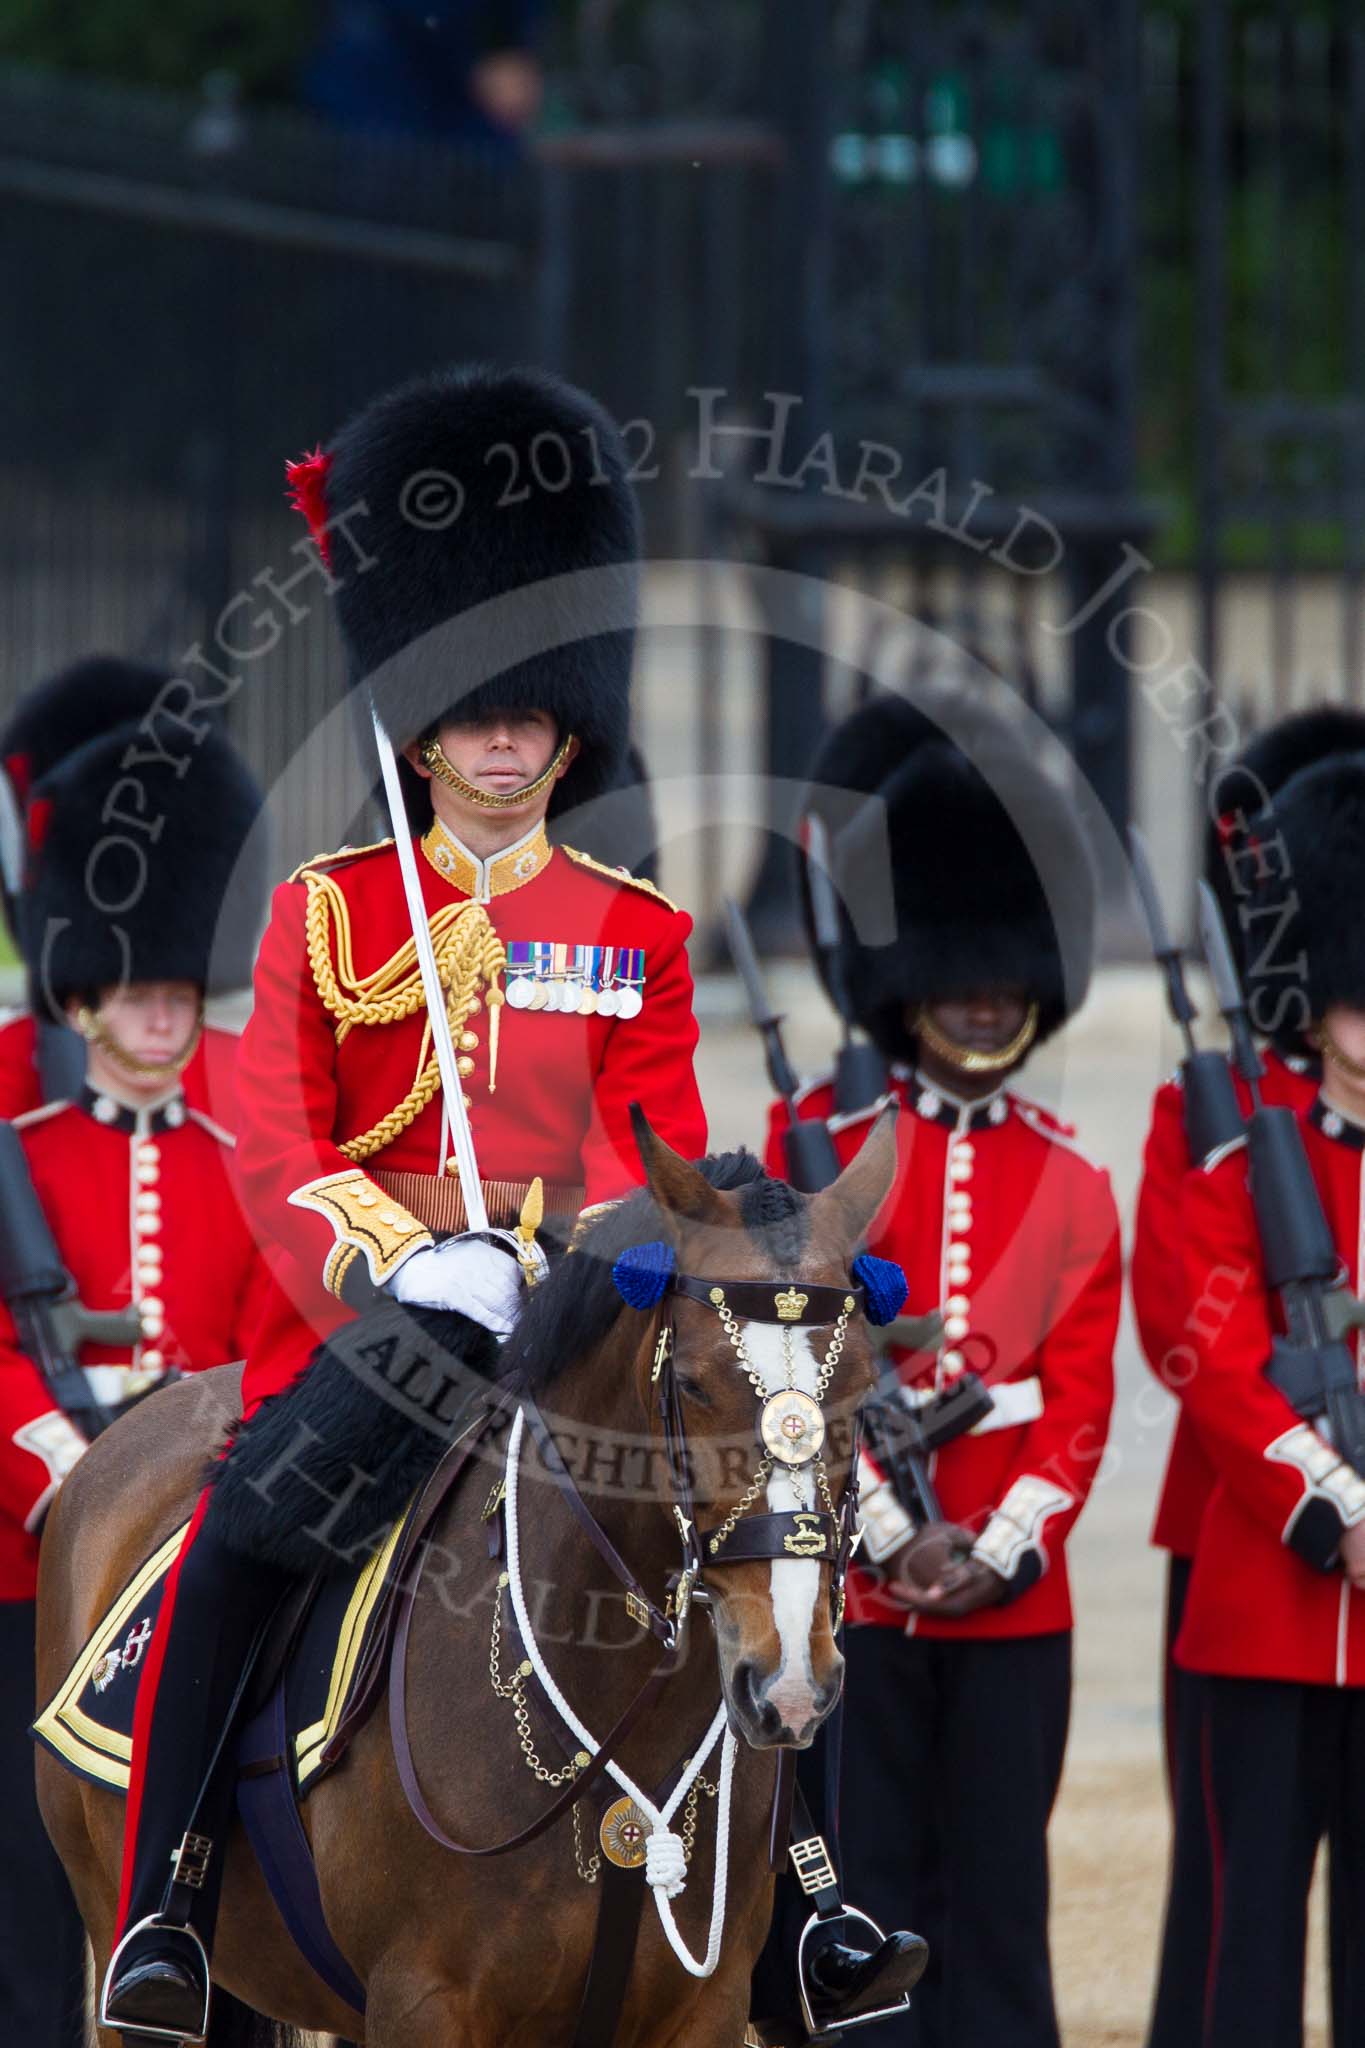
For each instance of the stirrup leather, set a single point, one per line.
(832, 2030)
(140, 2031)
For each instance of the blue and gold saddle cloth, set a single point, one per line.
(88, 1725)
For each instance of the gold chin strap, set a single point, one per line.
(1322, 1038)
(434, 758)
(94, 1032)
(967, 1057)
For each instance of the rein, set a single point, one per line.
(790, 1435)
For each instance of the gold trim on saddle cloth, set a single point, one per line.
(102, 1753)
(310, 1742)
(105, 1755)
(437, 1200)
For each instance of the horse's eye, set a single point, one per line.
(693, 1390)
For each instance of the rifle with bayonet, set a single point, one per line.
(904, 1438)
(859, 1070)
(1311, 1365)
(1213, 1116)
(49, 1320)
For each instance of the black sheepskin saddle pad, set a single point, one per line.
(322, 1470)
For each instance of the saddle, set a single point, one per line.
(319, 1674)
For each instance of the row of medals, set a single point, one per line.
(571, 997)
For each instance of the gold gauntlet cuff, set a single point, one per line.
(368, 1223)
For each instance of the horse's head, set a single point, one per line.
(760, 1363)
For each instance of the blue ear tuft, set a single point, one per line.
(643, 1272)
(884, 1285)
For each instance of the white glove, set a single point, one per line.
(466, 1273)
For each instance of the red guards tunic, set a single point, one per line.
(999, 1221)
(209, 1082)
(332, 1065)
(144, 1210)
(1160, 1305)
(1265, 1600)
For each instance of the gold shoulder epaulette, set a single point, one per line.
(620, 875)
(321, 863)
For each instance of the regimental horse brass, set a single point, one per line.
(790, 1305)
(791, 1427)
(623, 1835)
(807, 1539)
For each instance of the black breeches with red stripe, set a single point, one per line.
(215, 1606)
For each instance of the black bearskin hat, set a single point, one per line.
(1302, 930)
(991, 880)
(477, 483)
(50, 721)
(140, 874)
(1246, 787)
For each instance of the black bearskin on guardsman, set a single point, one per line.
(1235, 864)
(479, 484)
(50, 721)
(146, 868)
(1303, 923)
(990, 879)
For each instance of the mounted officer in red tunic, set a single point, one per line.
(132, 1186)
(42, 1058)
(567, 996)
(967, 939)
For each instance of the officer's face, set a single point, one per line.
(982, 1022)
(503, 754)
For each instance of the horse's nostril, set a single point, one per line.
(746, 1686)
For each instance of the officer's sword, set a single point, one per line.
(454, 1112)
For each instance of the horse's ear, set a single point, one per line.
(844, 1210)
(674, 1182)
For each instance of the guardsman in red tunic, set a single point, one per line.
(568, 994)
(959, 1644)
(1274, 1618)
(41, 1057)
(136, 1188)
(1162, 1313)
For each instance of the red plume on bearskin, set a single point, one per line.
(307, 480)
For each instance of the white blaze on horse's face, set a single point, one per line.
(792, 1690)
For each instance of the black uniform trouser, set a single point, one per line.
(952, 1757)
(42, 1942)
(1285, 1763)
(1183, 1971)
(221, 1602)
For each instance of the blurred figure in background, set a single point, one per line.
(458, 71)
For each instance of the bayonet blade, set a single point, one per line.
(1218, 953)
(1162, 945)
(824, 898)
(747, 967)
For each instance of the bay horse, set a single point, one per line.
(493, 1952)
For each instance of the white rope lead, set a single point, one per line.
(665, 1863)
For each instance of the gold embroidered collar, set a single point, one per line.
(484, 879)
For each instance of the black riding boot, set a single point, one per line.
(841, 1974)
(158, 1979)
